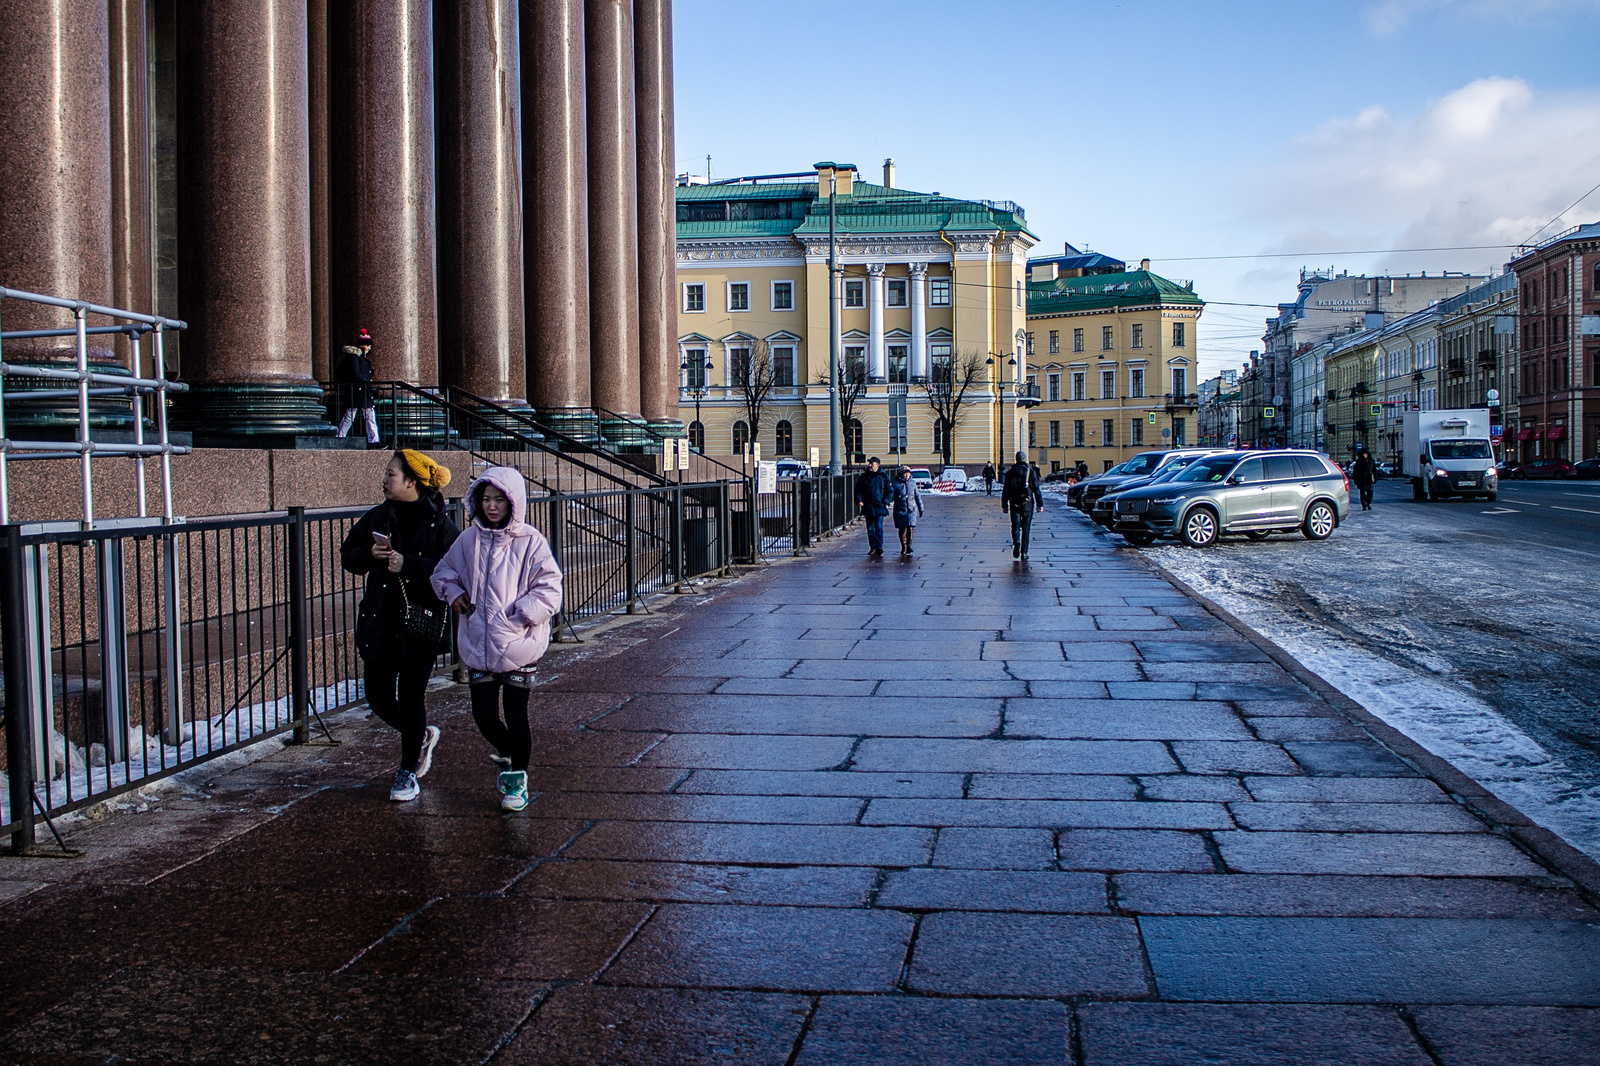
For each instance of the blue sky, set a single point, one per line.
(1174, 130)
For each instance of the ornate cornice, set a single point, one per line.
(689, 252)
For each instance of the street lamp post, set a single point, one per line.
(702, 367)
(834, 381)
(1005, 415)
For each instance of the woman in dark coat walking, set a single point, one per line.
(1365, 475)
(907, 507)
(396, 545)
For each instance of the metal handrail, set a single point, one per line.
(737, 472)
(569, 443)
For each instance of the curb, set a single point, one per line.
(1549, 848)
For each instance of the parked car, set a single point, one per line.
(922, 476)
(792, 468)
(1104, 509)
(1543, 469)
(1587, 470)
(1142, 465)
(1256, 493)
(1503, 468)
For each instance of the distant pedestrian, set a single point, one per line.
(907, 508)
(874, 495)
(401, 626)
(988, 479)
(502, 580)
(1365, 474)
(1020, 497)
(354, 378)
(1083, 470)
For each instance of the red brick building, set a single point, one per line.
(1558, 285)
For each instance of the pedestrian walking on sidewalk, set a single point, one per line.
(1365, 475)
(1020, 498)
(353, 374)
(988, 479)
(907, 508)
(874, 495)
(401, 627)
(501, 579)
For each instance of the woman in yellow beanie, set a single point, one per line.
(396, 545)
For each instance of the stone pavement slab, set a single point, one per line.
(947, 809)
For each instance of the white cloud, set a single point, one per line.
(1393, 16)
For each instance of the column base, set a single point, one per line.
(489, 435)
(628, 435)
(578, 423)
(250, 414)
(406, 420)
(57, 419)
(668, 427)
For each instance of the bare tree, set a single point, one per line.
(946, 390)
(852, 386)
(754, 380)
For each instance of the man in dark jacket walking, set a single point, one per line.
(988, 479)
(354, 378)
(874, 495)
(1365, 475)
(1020, 497)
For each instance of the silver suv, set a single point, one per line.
(1256, 493)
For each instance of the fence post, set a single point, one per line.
(802, 514)
(299, 681)
(677, 538)
(627, 547)
(724, 528)
(557, 528)
(20, 711)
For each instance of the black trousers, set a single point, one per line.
(512, 736)
(395, 685)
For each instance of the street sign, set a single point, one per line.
(1269, 412)
(683, 453)
(1153, 420)
(816, 458)
(1493, 394)
(1276, 400)
(1377, 408)
(1165, 433)
(755, 451)
(1493, 403)
(767, 476)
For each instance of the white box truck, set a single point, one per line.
(1447, 453)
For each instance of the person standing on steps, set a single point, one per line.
(874, 495)
(354, 377)
(502, 581)
(1020, 498)
(401, 624)
(988, 479)
(907, 508)
(1365, 475)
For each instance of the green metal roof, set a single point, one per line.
(1136, 288)
(869, 209)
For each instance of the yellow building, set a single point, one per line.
(927, 282)
(1350, 413)
(1115, 362)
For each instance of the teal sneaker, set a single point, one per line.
(513, 790)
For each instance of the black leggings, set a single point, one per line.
(510, 737)
(395, 685)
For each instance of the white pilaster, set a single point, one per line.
(919, 321)
(877, 363)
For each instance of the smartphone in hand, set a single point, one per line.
(381, 540)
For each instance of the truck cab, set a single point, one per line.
(1447, 453)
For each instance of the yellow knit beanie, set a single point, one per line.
(430, 475)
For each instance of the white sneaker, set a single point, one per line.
(430, 740)
(513, 790)
(405, 788)
(502, 761)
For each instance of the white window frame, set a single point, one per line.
(1108, 338)
(1052, 384)
(727, 296)
(794, 369)
(1136, 335)
(1077, 339)
(904, 287)
(844, 292)
(936, 286)
(1055, 342)
(772, 295)
(1108, 393)
(1180, 334)
(1055, 434)
(1080, 385)
(1136, 383)
(688, 287)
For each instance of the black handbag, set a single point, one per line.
(421, 622)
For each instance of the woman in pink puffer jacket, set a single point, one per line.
(501, 579)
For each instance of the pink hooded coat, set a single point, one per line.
(508, 575)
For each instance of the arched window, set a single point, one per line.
(697, 437)
(1597, 277)
(852, 436)
(938, 436)
(741, 437)
(784, 445)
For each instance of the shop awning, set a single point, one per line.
(1525, 434)
(1555, 432)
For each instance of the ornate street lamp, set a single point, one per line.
(698, 391)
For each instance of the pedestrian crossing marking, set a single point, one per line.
(1502, 510)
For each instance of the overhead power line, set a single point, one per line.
(1318, 255)
(1553, 221)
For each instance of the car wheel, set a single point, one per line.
(1139, 538)
(1320, 521)
(1416, 489)
(1493, 496)
(1258, 534)
(1200, 528)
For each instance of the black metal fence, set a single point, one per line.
(140, 648)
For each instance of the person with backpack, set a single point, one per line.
(988, 479)
(1365, 474)
(502, 580)
(401, 625)
(1020, 498)
(874, 495)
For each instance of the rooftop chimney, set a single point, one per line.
(1041, 272)
(1144, 264)
(888, 173)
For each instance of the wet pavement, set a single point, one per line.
(947, 809)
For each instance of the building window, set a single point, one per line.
(1107, 338)
(1019, 294)
(697, 437)
(738, 296)
(1032, 426)
(739, 367)
(1055, 341)
(1077, 340)
(696, 374)
(783, 296)
(897, 292)
(1055, 434)
(741, 437)
(938, 436)
(897, 363)
(1597, 277)
(1079, 389)
(1052, 383)
(853, 437)
(1137, 340)
(1077, 433)
(1108, 384)
(938, 292)
(1136, 432)
(938, 362)
(1108, 432)
(783, 444)
(783, 367)
(1179, 334)
(1136, 384)
(855, 294)
(694, 298)
(1179, 382)
(855, 364)
(897, 425)
(1179, 437)
(1029, 345)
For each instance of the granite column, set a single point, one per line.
(556, 207)
(658, 229)
(481, 342)
(613, 218)
(132, 256)
(244, 230)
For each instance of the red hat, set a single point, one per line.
(363, 337)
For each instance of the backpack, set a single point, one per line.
(1017, 481)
